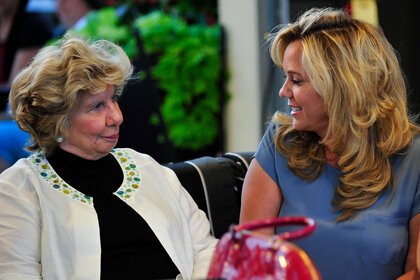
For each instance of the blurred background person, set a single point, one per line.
(12, 143)
(22, 34)
(78, 208)
(71, 14)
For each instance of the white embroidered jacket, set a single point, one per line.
(49, 230)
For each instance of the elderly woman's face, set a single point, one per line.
(307, 106)
(94, 125)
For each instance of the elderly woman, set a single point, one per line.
(77, 208)
(348, 155)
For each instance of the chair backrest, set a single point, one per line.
(215, 183)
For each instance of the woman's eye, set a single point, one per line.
(293, 79)
(98, 106)
(296, 82)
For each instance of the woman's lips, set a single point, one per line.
(295, 110)
(112, 137)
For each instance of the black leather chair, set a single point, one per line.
(215, 183)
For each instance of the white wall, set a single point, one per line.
(239, 19)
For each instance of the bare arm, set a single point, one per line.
(412, 264)
(418, 253)
(261, 196)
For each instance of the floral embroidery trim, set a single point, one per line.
(125, 192)
(131, 174)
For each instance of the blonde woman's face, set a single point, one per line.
(94, 126)
(307, 106)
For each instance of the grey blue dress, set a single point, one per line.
(371, 246)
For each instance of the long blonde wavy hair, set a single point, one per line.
(44, 93)
(355, 70)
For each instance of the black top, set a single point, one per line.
(130, 250)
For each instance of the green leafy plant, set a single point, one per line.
(105, 24)
(187, 68)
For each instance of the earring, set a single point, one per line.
(59, 139)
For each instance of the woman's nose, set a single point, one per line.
(285, 91)
(115, 115)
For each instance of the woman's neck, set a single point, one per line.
(332, 159)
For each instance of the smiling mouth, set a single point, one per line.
(296, 109)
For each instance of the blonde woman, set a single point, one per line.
(348, 155)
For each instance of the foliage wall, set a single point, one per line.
(185, 43)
